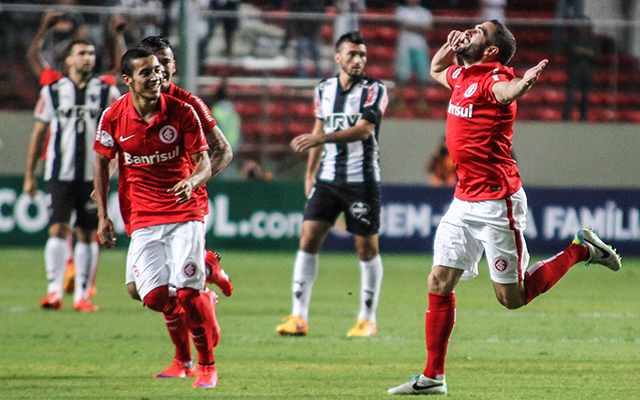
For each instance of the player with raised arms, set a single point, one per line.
(489, 210)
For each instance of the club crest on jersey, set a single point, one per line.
(359, 209)
(456, 73)
(341, 121)
(471, 90)
(105, 139)
(168, 134)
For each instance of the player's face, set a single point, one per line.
(476, 41)
(168, 65)
(82, 58)
(146, 78)
(352, 58)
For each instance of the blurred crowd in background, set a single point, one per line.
(258, 61)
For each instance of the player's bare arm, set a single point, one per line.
(506, 92)
(220, 151)
(116, 29)
(198, 177)
(36, 146)
(361, 131)
(34, 53)
(106, 230)
(315, 156)
(446, 57)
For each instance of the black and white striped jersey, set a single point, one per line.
(73, 114)
(340, 109)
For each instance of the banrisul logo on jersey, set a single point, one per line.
(150, 159)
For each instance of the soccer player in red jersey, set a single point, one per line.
(488, 212)
(162, 160)
(220, 156)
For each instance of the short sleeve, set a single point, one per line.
(498, 75)
(105, 136)
(317, 106)
(453, 72)
(44, 107)
(376, 103)
(206, 118)
(114, 95)
(194, 138)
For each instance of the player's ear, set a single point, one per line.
(492, 51)
(127, 80)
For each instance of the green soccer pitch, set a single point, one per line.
(579, 341)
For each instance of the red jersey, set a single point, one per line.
(207, 121)
(480, 132)
(152, 159)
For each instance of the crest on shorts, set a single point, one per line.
(359, 209)
(189, 270)
(168, 134)
(501, 265)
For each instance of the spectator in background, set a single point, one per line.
(493, 9)
(346, 19)
(565, 9)
(308, 32)
(413, 51)
(145, 24)
(440, 167)
(229, 25)
(228, 119)
(584, 51)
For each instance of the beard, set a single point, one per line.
(471, 54)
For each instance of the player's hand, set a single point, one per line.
(51, 19)
(531, 76)
(305, 141)
(30, 187)
(182, 190)
(107, 233)
(455, 38)
(118, 24)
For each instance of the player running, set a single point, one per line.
(162, 156)
(489, 209)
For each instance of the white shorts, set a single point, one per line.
(494, 226)
(168, 254)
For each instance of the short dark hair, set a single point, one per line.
(75, 42)
(503, 39)
(354, 37)
(155, 43)
(126, 63)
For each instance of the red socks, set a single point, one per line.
(199, 312)
(542, 275)
(178, 328)
(439, 321)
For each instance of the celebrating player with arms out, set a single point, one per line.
(343, 175)
(162, 161)
(489, 209)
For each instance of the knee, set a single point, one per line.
(133, 292)
(157, 299)
(59, 230)
(367, 253)
(511, 301)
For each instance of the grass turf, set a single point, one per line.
(580, 340)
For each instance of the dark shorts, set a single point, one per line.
(72, 196)
(359, 202)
